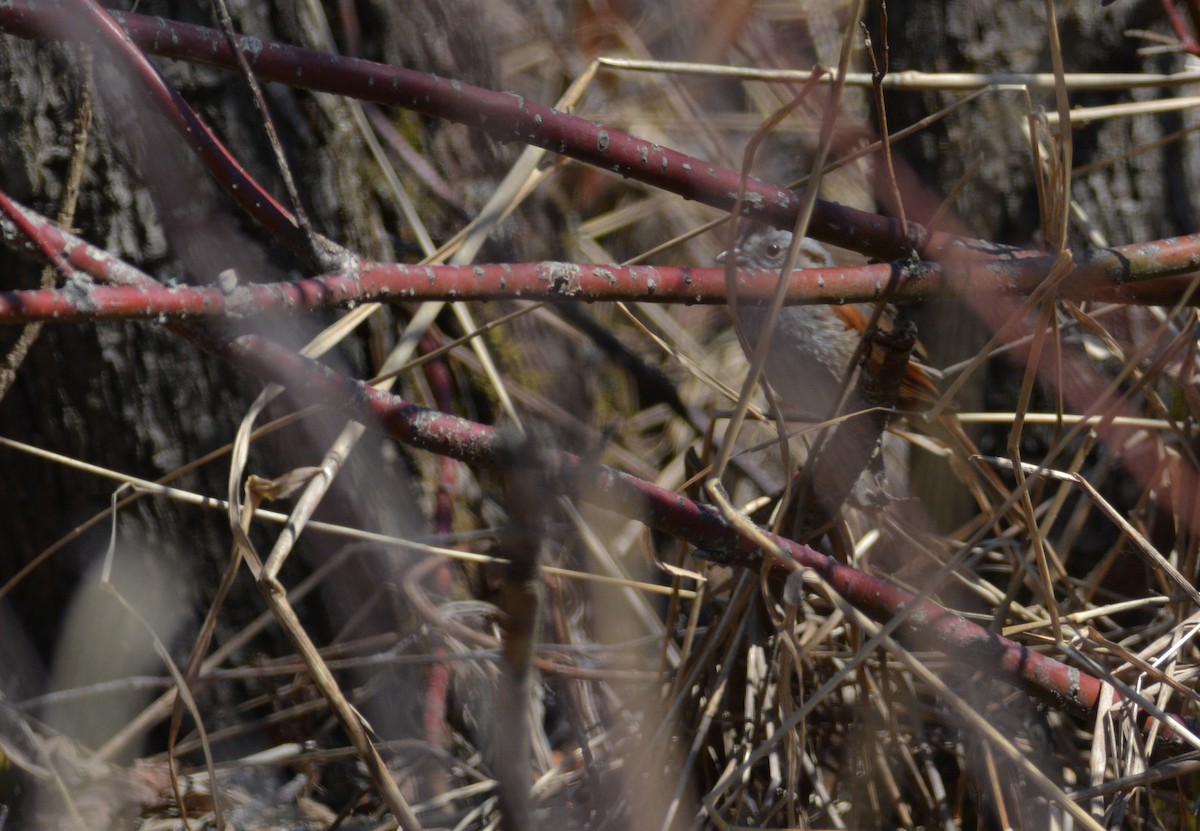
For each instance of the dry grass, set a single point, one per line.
(663, 691)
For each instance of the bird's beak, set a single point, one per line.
(726, 254)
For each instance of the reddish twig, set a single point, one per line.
(508, 117)
(1144, 273)
(1186, 39)
(1137, 273)
(928, 625)
(29, 231)
(472, 442)
(544, 281)
(88, 22)
(1083, 390)
(504, 116)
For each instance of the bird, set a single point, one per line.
(809, 360)
(813, 345)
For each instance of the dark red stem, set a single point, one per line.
(927, 625)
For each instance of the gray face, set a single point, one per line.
(761, 246)
(812, 346)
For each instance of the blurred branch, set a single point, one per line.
(88, 22)
(504, 116)
(508, 117)
(928, 625)
(1104, 274)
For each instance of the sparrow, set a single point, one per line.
(811, 355)
(813, 346)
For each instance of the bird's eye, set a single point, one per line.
(773, 249)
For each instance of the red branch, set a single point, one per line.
(1185, 37)
(509, 117)
(87, 21)
(83, 300)
(503, 116)
(928, 625)
(1099, 277)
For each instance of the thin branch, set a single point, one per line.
(88, 22)
(504, 116)
(928, 624)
